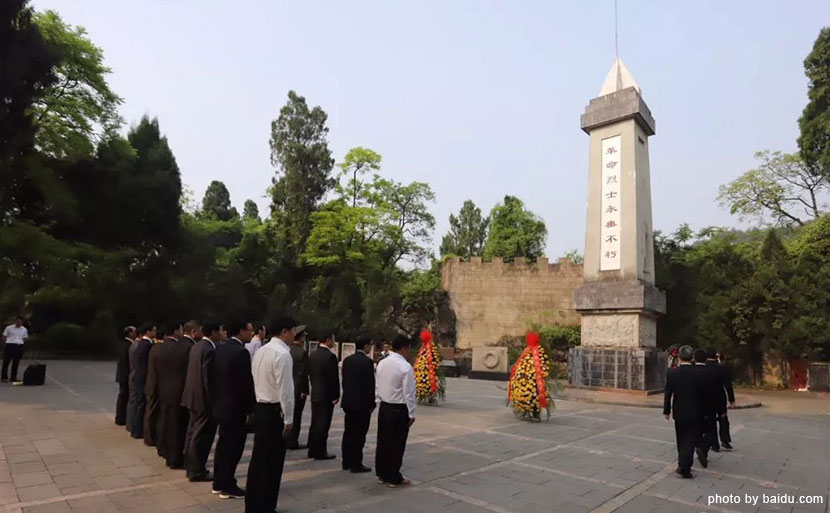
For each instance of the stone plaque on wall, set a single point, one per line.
(312, 346)
(490, 363)
(347, 349)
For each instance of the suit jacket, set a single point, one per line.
(358, 383)
(719, 387)
(153, 376)
(173, 358)
(299, 356)
(139, 353)
(325, 383)
(684, 393)
(196, 392)
(231, 382)
(122, 365)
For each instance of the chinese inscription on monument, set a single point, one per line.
(610, 218)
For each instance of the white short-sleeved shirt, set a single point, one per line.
(395, 382)
(273, 382)
(15, 335)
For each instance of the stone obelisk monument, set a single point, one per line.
(618, 302)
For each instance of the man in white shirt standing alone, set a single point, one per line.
(396, 394)
(274, 389)
(14, 336)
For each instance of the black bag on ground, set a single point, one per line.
(35, 374)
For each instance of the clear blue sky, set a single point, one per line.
(477, 98)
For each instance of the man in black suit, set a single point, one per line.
(723, 420)
(173, 359)
(299, 358)
(358, 404)
(325, 393)
(232, 395)
(684, 398)
(122, 376)
(201, 428)
(153, 413)
(139, 353)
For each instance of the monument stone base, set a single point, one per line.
(637, 369)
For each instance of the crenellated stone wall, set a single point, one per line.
(494, 299)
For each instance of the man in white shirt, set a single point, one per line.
(396, 394)
(274, 389)
(256, 341)
(14, 336)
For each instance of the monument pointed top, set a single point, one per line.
(618, 78)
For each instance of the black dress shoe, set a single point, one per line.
(361, 469)
(703, 459)
(727, 446)
(297, 447)
(235, 493)
(685, 474)
(201, 478)
(325, 457)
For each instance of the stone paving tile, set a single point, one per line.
(35, 478)
(42, 491)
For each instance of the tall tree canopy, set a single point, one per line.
(782, 190)
(814, 123)
(216, 203)
(301, 156)
(467, 234)
(79, 105)
(250, 210)
(515, 232)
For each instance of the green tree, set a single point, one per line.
(468, 232)
(301, 155)
(814, 122)
(357, 162)
(782, 190)
(151, 192)
(250, 210)
(216, 204)
(575, 256)
(514, 232)
(27, 64)
(79, 106)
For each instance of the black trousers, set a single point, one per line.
(393, 429)
(723, 427)
(172, 433)
(201, 430)
(262, 488)
(121, 404)
(136, 414)
(294, 438)
(12, 353)
(354, 437)
(708, 434)
(229, 447)
(688, 436)
(318, 432)
(152, 415)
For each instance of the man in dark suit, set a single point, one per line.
(683, 398)
(358, 404)
(299, 358)
(153, 412)
(723, 420)
(173, 359)
(708, 424)
(325, 393)
(201, 428)
(139, 353)
(233, 399)
(122, 376)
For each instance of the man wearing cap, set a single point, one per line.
(299, 358)
(358, 404)
(683, 400)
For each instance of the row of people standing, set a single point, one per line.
(696, 396)
(176, 394)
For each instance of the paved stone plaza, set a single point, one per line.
(61, 453)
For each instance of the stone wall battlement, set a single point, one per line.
(496, 298)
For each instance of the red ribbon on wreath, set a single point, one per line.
(533, 349)
(426, 340)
